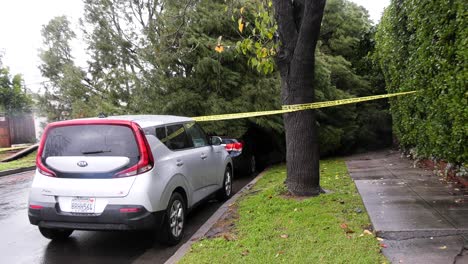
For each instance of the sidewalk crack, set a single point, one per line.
(408, 235)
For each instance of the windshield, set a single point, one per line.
(91, 140)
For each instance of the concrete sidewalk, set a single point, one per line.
(420, 218)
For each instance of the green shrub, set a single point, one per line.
(423, 45)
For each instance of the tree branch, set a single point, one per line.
(287, 29)
(310, 30)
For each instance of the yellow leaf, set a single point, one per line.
(219, 48)
(272, 52)
(367, 232)
(284, 236)
(241, 25)
(242, 10)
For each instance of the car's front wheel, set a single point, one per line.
(174, 222)
(226, 191)
(55, 234)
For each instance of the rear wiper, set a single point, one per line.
(95, 151)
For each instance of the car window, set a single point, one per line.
(197, 135)
(176, 138)
(161, 133)
(91, 140)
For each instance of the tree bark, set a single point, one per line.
(299, 27)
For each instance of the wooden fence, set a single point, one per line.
(16, 130)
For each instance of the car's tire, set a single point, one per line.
(173, 226)
(55, 234)
(226, 192)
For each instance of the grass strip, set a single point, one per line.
(27, 161)
(273, 227)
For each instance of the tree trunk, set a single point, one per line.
(299, 27)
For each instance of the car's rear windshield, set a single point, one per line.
(91, 140)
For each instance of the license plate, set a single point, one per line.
(83, 205)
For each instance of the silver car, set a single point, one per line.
(125, 173)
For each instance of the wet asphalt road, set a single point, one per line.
(21, 242)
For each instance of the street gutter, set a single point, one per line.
(14, 171)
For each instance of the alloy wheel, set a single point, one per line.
(177, 218)
(228, 183)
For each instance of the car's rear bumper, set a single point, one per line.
(111, 218)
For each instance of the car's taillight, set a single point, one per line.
(40, 166)
(234, 146)
(146, 161)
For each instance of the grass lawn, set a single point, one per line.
(274, 228)
(28, 161)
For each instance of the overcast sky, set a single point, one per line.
(21, 22)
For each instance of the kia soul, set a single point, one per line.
(125, 173)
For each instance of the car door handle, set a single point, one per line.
(179, 163)
(203, 156)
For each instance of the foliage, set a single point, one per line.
(344, 68)
(260, 43)
(155, 57)
(424, 46)
(273, 227)
(159, 57)
(27, 161)
(13, 96)
(205, 82)
(68, 93)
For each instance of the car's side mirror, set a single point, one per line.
(216, 141)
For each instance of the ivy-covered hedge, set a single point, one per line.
(423, 45)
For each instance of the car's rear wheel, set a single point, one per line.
(55, 234)
(174, 222)
(226, 191)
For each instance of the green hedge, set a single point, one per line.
(423, 45)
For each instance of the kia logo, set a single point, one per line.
(82, 163)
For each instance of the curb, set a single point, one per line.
(201, 232)
(13, 171)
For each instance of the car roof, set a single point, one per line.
(148, 120)
(153, 120)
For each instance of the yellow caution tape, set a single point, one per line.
(176, 133)
(296, 107)
(342, 101)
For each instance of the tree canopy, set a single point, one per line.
(13, 97)
(159, 57)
